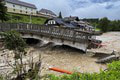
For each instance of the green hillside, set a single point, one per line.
(18, 18)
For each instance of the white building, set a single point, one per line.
(16, 6)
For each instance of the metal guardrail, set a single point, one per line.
(49, 31)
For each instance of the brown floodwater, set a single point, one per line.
(68, 58)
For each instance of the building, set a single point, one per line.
(47, 13)
(79, 25)
(16, 6)
(59, 22)
(71, 18)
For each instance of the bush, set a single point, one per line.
(1, 77)
(14, 41)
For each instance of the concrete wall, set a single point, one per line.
(81, 46)
(14, 8)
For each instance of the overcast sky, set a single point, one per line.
(81, 8)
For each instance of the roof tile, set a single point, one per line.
(21, 3)
(47, 11)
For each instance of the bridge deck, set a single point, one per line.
(60, 33)
(50, 31)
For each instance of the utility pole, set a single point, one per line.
(11, 18)
(30, 18)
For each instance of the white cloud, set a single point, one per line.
(98, 10)
(82, 8)
(56, 6)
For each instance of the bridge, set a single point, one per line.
(59, 35)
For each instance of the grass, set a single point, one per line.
(97, 29)
(18, 18)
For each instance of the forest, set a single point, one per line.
(104, 24)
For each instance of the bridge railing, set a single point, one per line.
(49, 31)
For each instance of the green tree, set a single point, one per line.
(104, 24)
(13, 41)
(3, 11)
(60, 15)
(115, 25)
(1, 77)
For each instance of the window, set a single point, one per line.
(54, 22)
(13, 9)
(20, 6)
(51, 22)
(31, 12)
(31, 9)
(26, 12)
(21, 11)
(13, 5)
(26, 8)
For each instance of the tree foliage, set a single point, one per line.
(114, 25)
(13, 41)
(104, 24)
(60, 15)
(3, 11)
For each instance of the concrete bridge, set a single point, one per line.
(59, 35)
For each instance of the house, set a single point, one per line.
(87, 25)
(20, 7)
(71, 18)
(47, 13)
(79, 25)
(59, 22)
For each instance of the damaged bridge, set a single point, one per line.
(59, 35)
